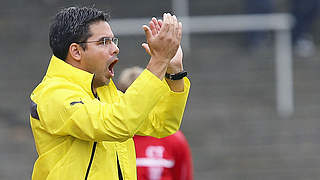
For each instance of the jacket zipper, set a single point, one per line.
(91, 159)
(95, 143)
(119, 169)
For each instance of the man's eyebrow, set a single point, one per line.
(101, 39)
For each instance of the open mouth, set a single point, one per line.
(110, 67)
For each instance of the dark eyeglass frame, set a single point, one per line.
(104, 41)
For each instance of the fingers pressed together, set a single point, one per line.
(172, 25)
(166, 32)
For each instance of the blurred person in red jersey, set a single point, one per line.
(159, 159)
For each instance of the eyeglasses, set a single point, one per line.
(105, 41)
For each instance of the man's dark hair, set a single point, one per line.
(71, 25)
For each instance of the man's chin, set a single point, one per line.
(102, 82)
(107, 81)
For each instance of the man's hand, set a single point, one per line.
(163, 42)
(175, 64)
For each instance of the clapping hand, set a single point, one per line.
(155, 32)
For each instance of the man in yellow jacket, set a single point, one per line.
(82, 125)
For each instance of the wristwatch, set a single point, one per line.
(177, 76)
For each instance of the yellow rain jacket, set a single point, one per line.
(80, 136)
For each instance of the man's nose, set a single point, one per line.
(115, 49)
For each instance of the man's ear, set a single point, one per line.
(75, 51)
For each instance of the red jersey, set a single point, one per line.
(167, 158)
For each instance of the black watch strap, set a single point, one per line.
(177, 76)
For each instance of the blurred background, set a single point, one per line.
(233, 122)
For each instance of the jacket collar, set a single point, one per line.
(61, 69)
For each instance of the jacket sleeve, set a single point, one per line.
(166, 117)
(65, 109)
